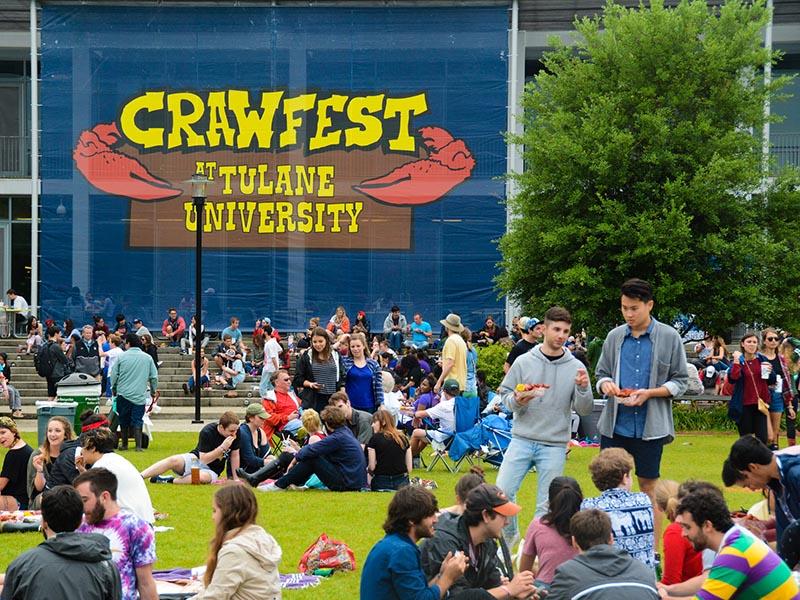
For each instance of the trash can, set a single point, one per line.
(46, 409)
(589, 422)
(82, 389)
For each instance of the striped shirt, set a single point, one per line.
(747, 569)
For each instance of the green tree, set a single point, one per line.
(642, 148)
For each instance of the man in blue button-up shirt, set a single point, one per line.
(642, 367)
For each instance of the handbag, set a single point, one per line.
(763, 407)
(327, 553)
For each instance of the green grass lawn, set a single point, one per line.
(295, 519)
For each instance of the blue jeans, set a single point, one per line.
(520, 456)
(388, 482)
(203, 381)
(415, 345)
(265, 384)
(395, 340)
(320, 466)
(130, 414)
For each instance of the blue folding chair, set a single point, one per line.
(467, 413)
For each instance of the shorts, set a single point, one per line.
(438, 436)
(776, 402)
(190, 461)
(646, 453)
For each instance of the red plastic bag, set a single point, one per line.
(327, 553)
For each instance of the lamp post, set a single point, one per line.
(199, 185)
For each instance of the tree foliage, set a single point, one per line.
(642, 150)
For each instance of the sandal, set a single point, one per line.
(18, 414)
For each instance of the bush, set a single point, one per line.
(689, 417)
(490, 361)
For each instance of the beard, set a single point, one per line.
(699, 543)
(421, 530)
(98, 514)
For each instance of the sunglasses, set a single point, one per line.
(772, 339)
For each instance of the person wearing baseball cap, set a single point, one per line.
(528, 327)
(486, 512)
(139, 328)
(454, 353)
(445, 412)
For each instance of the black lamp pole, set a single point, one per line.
(199, 183)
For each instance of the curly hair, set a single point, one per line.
(705, 505)
(610, 467)
(409, 506)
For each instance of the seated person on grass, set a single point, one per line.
(631, 513)
(338, 460)
(444, 411)
(217, 445)
(358, 421)
(253, 443)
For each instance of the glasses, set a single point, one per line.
(772, 339)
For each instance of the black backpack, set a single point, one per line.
(43, 361)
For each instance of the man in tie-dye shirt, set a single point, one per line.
(133, 544)
(745, 567)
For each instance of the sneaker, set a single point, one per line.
(162, 479)
(270, 487)
(159, 363)
(18, 414)
(186, 389)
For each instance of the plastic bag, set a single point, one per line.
(327, 553)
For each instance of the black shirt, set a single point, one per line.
(520, 348)
(15, 469)
(209, 440)
(390, 458)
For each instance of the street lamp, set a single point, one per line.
(199, 193)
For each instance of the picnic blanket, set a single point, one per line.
(20, 521)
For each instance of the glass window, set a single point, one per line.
(3, 208)
(20, 209)
(21, 259)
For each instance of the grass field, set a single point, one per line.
(295, 519)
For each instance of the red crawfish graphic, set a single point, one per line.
(115, 172)
(448, 164)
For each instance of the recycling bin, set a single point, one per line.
(46, 409)
(81, 389)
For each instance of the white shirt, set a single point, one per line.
(21, 305)
(111, 357)
(272, 349)
(445, 411)
(132, 494)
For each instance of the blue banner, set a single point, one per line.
(356, 159)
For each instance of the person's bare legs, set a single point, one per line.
(775, 421)
(171, 463)
(418, 441)
(648, 486)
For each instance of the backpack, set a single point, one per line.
(43, 361)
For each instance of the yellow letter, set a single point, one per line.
(247, 222)
(285, 210)
(191, 216)
(371, 128)
(229, 224)
(218, 120)
(304, 212)
(247, 187)
(264, 189)
(302, 103)
(305, 179)
(227, 172)
(354, 209)
(206, 168)
(249, 122)
(213, 213)
(405, 107)
(284, 183)
(264, 208)
(183, 122)
(325, 176)
(323, 140)
(146, 138)
(336, 209)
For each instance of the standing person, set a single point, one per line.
(14, 473)
(272, 357)
(421, 334)
(97, 451)
(549, 538)
(527, 342)
(474, 534)
(647, 357)
(792, 361)
(86, 355)
(541, 425)
(454, 353)
(173, 327)
(319, 372)
(681, 562)
(55, 363)
(393, 327)
(471, 387)
(392, 570)
(388, 454)
(747, 373)
(243, 559)
(134, 543)
(130, 376)
(362, 380)
(745, 567)
(67, 564)
(217, 445)
(780, 392)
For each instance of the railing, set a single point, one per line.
(15, 156)
(786, 149)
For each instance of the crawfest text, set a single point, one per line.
(275, 216)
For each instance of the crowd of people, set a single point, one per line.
(358, 414)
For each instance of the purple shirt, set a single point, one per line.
(133, 545)
(426, 401)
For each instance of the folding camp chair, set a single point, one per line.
(467, 412)
(496, 438)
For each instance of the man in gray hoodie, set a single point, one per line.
(66, 564)
(601, 571)
(542, 415)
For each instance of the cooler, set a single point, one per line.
(83, 390)
(45, 409)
